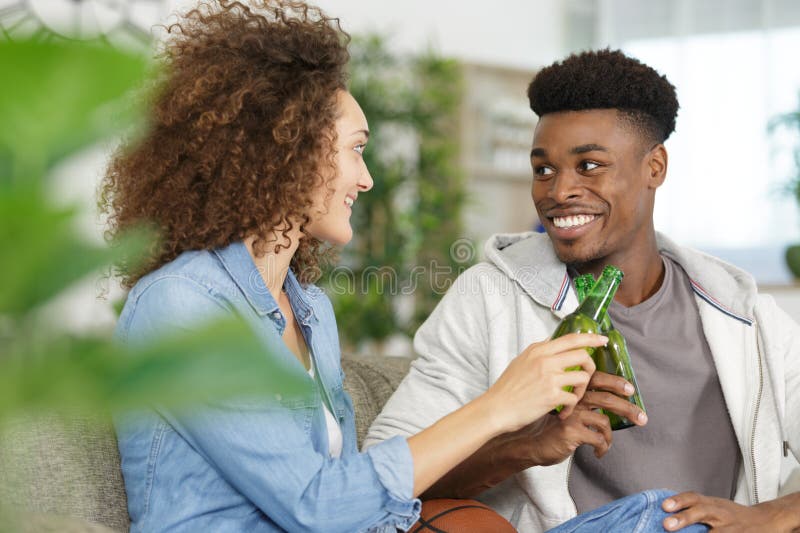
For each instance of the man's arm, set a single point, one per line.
(548, 441)
(781, 515)
(788, 332)
(452, 369)
(778, 515)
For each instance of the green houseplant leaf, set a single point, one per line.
(91, 374)
(59, 96)
(56, 98)
(42, 253)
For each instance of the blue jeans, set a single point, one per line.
(637, 513)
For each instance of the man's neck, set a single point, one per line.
(642, 280)
(643, 269)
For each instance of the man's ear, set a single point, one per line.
(656, 166)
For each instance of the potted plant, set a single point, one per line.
(791, 121)
(412, 219)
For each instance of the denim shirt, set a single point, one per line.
(253, 465)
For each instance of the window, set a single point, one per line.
(723, 192)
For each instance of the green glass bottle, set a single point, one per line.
(586, 318)
(583, 284)
(613, 358)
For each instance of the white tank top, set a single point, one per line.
(334, 431)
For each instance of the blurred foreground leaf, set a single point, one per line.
(41, 251)
(59, 96)
(55, 98)
(94, 375)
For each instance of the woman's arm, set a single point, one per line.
(261, 446)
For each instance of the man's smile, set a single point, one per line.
(568, 227)
(572, 221)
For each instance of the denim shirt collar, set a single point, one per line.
(245, 274)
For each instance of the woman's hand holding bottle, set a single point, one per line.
(533, 383)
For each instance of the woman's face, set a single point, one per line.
(333, 203)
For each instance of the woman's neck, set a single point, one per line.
(273, 266)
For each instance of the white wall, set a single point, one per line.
(787, 298)
(521, 33)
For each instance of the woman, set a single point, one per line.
(250, 167)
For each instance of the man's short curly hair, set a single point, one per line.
(240, 134)
(608, 79)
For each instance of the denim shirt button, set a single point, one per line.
(276, 315)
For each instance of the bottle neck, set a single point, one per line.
(581, 289)
(600, 297)
(582, 286)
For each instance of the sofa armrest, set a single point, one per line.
(370, 381)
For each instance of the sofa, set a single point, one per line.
(62, 473)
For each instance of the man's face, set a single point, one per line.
(593, 185)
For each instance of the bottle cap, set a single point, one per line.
(611, 270)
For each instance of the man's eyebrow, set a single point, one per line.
(583, 148)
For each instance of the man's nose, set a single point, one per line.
(564, 186)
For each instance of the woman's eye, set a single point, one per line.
(589, 165)
(359, 148)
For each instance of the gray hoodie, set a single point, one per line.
(499, 307)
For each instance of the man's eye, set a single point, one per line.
(589, 165)
(544, 171)
(359, 148)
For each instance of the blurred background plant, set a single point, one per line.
(400, 261)
(790, 122)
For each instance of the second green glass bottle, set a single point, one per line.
(612, 358)
(589, 314)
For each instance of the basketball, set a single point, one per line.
(459, 516)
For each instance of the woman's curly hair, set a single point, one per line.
(241, 133)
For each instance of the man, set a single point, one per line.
(718, 364)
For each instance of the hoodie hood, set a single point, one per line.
(530, 260)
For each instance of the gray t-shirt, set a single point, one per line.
(688, 442)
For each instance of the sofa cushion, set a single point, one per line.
(68, 466)
(45, 523)
(63, 465)
(370, 381)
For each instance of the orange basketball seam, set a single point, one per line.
(428, 523)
